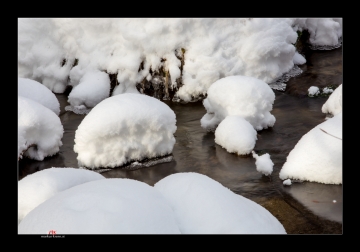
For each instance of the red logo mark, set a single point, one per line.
(53, 232)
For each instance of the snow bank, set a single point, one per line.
(323, 31)
(41, 53)
(58, 51)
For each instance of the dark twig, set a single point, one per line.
(329, 134)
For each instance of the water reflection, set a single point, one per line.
(323, 68)
(148, 175)
(323, 200)
(28, 166)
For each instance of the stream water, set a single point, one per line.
(304, 207)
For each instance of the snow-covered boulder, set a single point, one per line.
(103, 206)
(38, 92)
(92, 88)
(317, 157)
(39, 130)
(204, 206)
(36, 188)
(333, 104)
(124, 128)
(236, 135)
(243, 96)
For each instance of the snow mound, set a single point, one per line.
(333, 104)
(263, 163)
(36, 188)
(243, 96)
(103, 206)
(38, 92)
(92, 89)
(123, 128)
(39, 130)
(317, 157)
(236, 135)
(204, 206)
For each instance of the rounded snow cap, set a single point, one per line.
(124, 128)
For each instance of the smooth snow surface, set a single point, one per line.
(36, 188)
(38, 92)
(317, 157)
(104, 206)
(236, 135)
(333, 104)
(204, 206)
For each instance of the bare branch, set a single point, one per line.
(329, 134)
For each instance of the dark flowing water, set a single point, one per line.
(303, 208)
